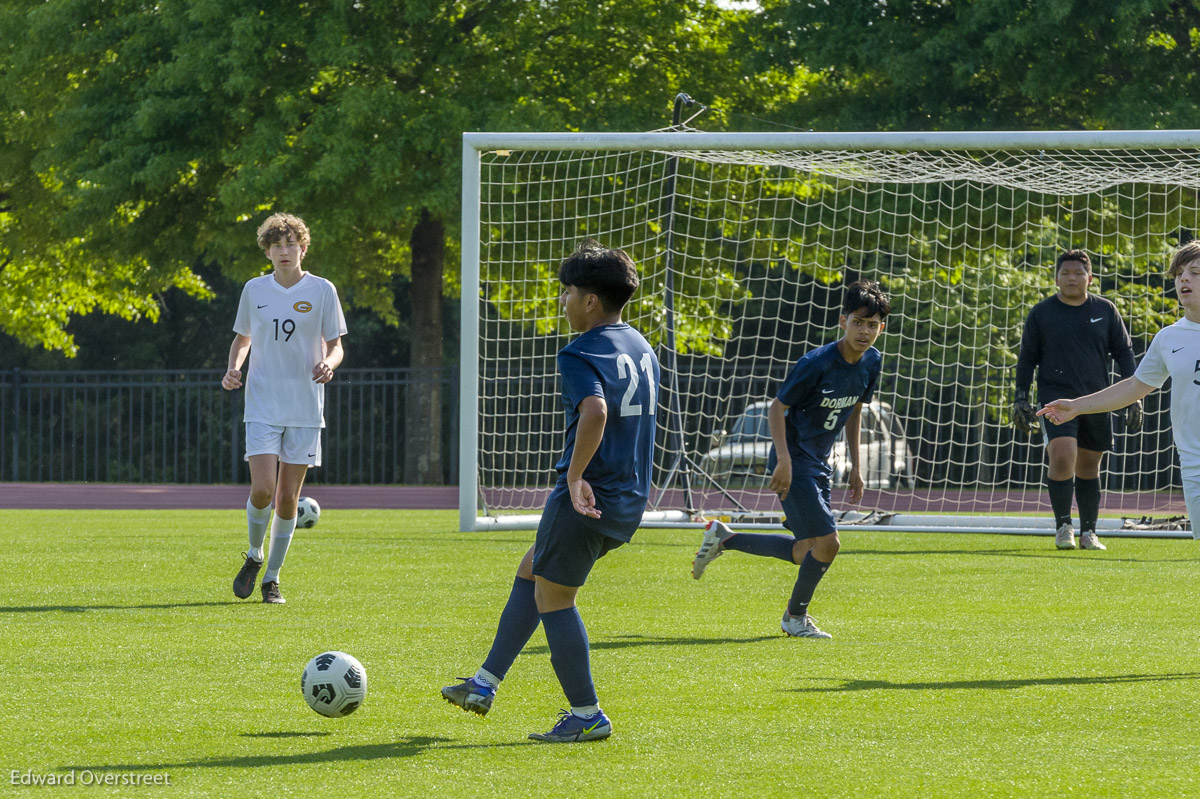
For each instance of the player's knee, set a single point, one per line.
(285, 507)
(261, 498)
(826, 547)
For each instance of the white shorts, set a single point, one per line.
(298, 445)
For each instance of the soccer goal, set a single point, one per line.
(745, 243)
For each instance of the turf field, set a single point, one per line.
(960, 666)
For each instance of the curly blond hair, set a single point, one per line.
(277, 226)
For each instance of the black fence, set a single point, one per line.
(165, 426)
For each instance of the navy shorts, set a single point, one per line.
(568, 544)
(806, 511)
(1090, 430)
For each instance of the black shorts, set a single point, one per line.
(568, 544)
(1090, 430)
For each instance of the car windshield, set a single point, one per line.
(751, 425)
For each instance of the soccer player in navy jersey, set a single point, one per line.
(609, 391)
(1072, 339)
(823, 393)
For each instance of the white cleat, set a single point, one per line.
(1089, 540)
(802, 627)
(1065, 537)
(715, 536)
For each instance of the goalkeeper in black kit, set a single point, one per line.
(1071, 340)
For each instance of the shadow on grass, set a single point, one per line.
(989, 685)
(405, 747)
(85, 608)
(285, 734)
(1075, 556)
(623, 641)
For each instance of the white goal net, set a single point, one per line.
(745, 243)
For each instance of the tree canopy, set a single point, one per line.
(140, 139)
(988, 65)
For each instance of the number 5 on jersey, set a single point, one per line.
(627, 371)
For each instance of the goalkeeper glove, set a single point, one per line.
(1024, 417)
(1133, 417)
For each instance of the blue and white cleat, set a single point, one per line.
(571, 729)
(711, 547)
(802, 627)
(470, 695)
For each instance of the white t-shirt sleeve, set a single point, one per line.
(241, 324)
(333, 321)
(1153, 369)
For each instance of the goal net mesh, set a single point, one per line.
(744, 257)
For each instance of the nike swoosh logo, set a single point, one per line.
(1177, 349)
(312, 454)
(264, 306)
(589, 729)
(828, 390)
(1097, 319)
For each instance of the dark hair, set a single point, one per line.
(869, 295)
(1073, 255)
(609, 274)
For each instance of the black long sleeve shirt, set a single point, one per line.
(1072, 347)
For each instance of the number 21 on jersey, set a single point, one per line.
(627, 371)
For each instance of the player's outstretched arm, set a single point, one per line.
(238, 351)
(1116, 396)
(781, 478)
(589, 431)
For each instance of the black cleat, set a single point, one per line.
(243, 584)
(271, 595)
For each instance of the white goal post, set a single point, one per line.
(745, 242)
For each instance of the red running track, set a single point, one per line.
(121, 496)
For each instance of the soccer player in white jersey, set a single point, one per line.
(1174, 353)
(290, 323)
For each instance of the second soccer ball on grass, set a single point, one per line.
(308, 512)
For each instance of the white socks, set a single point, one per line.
(256, 520)
(281, 537)
(487, 678)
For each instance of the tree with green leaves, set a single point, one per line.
(995, 65)
(139, 139)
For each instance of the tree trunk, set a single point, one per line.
(423, 398)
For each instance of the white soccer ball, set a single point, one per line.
(307, 512)
(334, 684)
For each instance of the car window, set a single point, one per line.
(751, 425)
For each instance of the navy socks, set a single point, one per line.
(569, 655)
(762, 544)
(518, 620)
(811, 572)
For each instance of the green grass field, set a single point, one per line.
(960, 665)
